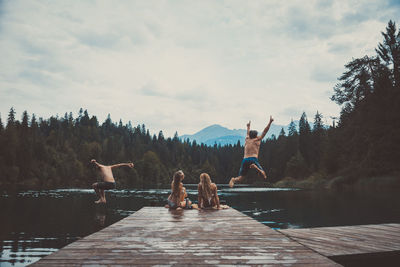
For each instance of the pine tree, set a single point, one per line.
(33, 121)
(11, 118)
(292, 128)
(1, 125)
(356, 83)
(317, 141)
(282, 133)
(70, 119)
(176, 137)
(305, 138)
(389, 51)
(318, 124)
(25, 120)
(24, 154)
(161, 136)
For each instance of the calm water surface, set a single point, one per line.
(37, 223)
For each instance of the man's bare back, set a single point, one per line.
(251, 150)
(106, 173)
(251, 147)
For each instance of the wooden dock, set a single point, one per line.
(157, 236)
(346, 244)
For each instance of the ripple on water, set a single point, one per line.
(27, 251)
(258, 212)
(256, 189)
(125, 213)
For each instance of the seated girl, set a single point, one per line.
(208, 197)
(178, 198)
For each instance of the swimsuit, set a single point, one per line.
(187, 205)
(172, 204)
(245, 166)
(105, 185)
(208, 202)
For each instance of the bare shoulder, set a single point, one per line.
(106, 168)
(101, 166)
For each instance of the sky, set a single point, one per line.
(183, 65)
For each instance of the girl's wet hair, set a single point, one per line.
(178, 174)
(176, 182)
(205, 183)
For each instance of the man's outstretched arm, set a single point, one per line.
(129, 164)
(248, 128)
(266, 128)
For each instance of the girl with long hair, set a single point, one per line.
(207, 193)
(178, 197)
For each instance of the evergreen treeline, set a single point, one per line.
(55, 152)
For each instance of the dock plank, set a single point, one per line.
(349, 240)
(157, 236)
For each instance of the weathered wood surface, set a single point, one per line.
(349, 240)
(157, 236)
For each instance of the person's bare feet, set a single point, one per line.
(195, 206)
(254, 166)
(231, 183)
(100, 201)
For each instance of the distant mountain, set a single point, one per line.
(217, 134)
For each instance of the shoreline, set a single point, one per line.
(319, 181)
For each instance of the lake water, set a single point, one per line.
(37, 223)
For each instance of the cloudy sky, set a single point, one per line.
(183, 65)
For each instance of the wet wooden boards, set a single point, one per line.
(349, 240)
(157, 236)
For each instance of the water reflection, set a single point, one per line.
(176, 215)
(100, 218)
(22, 249)
(37, 223)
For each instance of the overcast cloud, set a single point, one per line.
(183, 65)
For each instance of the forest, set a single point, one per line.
(364, 142)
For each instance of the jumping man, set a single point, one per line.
(251, 149)
(108, 179)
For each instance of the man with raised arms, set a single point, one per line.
(251, 149)
(108, 178)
